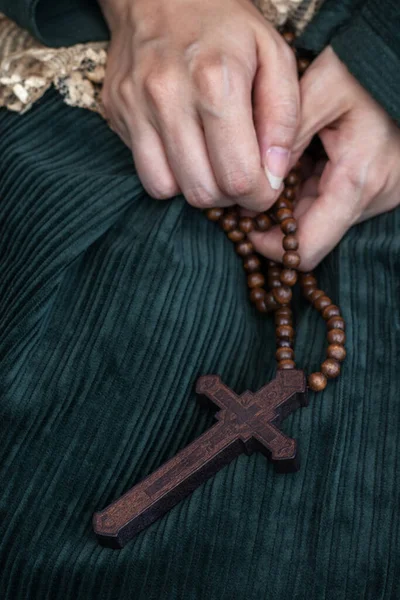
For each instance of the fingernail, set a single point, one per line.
(277, 162)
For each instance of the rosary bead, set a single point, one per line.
(282, 320)
(272, 304)
(315, 294)
(288, 277)
(261, 305)
(307, 280)
(330, 311)
(290, 242)
(283, 202)
(336, 336)
(308, 291)
(322, 302)
(292, 178)
(283, 213)
(336, 351)
(330, 368)
(288, 36)
(286, 364)
(214, 214)
(291, 259)
(257, 294)
(290, 193)
(246, 224)
(289, 226)
(252, 263)
(282, 294)
(285, 331)
(229, 222)
(271, 264)
(284, 354)
(263, 222)
(274, 271)
(283, 343)
(336, 323)
(317, 382)
(302, 65)
(244, 248)
(274, 282)
(255, 280)
(284, 310)
(236, 235)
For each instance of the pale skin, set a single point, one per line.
(206, 96)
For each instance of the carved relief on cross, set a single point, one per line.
(245, 423)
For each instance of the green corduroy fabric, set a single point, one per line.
(111, 305)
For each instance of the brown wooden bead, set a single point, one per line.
(255, 280)
(291, 259)
(284, 354)
(263, 222)
(290, 242)
(282, 320)
(271, 264)
(336, 351)
(284, 310)
(271, 302)
(308, 291)
(289, 37)
(283, 213)
(229, 222)
(315, 295)
(282, 294)
(257, 294)
(330, 368)
(317, 382)
(261, 305)
(214, 214)
(302, 65)
(244, 248)
(236, 235)
(330, 311)
(336, 336)
(252, 263)
(322, 302)
(274, 282)
(336, 323)
(288, 277)
(292, 179)
(285, 331)
(283, 343)
(290, 193)
(286, 364)
(289, 226)
(307, 279)
(283, 202)
(274, 271)
(246, 224)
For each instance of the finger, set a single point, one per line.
(322, 225)
(276, 109)
(225, 109)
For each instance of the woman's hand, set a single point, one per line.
(362, 175)
(205, 93)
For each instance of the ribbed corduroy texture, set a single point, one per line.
(111, 305)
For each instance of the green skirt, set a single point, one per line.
(111, 305)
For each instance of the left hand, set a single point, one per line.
(361, 177)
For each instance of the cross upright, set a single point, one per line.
(245, 423)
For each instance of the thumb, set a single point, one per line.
(276, 108)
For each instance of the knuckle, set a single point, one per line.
(163, 190)
(239, 183)
(125, 89)
(160, 86)
(199, 197)
(216, 78)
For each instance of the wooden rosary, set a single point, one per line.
(251, 421)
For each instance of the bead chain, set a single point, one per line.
(277, 296)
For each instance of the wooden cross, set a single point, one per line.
(244, 424)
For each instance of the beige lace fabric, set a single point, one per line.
(28, 69)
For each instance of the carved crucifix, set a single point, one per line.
(245, 423)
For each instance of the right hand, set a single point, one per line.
(205, 93)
